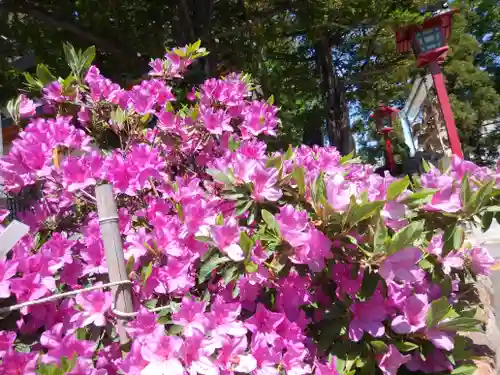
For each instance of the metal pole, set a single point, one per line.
(444, 102)
(110, 231)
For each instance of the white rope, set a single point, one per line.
(61, 295)
(126, 315)
(55, 297)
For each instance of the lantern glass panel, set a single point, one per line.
(429, 39)
(386, 122)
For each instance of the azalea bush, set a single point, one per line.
(294, 262)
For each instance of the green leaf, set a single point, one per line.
(380, 236)
(68, 364)
(242, 208)
(44, 75)
(207, 267)
(345, 159)
(493, 209)
(453, 237)
(219, 176)
(318, 189)
(462, 324)
(379, 347)
(270, 221)
(289, 153)
(274, 162)
(406, 236)
(36, 84)
(246, 243)
(425, 164)
(299, 177)
(480, 197)
(405, 346)
(196, 45)
(437, 311)
(175, 330)
(71, 57)
(146, 272)
(251, 267)
(230, 274)
(465, 190)
(468, 369)
(363, 211)
(270, 100)
(130, 265)
(205, 239)
(419, 198)
(461, 350)
(397, 187)
(486, 220)
(369, 284)
(88, 56)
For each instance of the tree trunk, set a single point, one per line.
(333, 90)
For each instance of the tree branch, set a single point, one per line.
(43, 15)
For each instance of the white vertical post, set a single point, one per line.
(110, 231)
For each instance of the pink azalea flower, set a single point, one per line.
(16, 363)
(8, 270)
(197, 354)
(58, 250)
(263, 324)
(367, 317)
(267, 361)
(413, 316)
(440, 339)
(144, 325)
(70, 346)
(294, 225)
(6, 341)
(329, 368)
(434, 362)
(346, 284)
(391, 361)
(224, 319)
(53, 92)
(27, 107)
(95, 305)
(216, 121)
(447, 196)
(133, 363)
(481, 260)
(162, 354)
(339, 192)
(191, 316)
(264, 181)
(293, 362)
(227, 237)
(232, 356)
(453, 260)
(403, 266)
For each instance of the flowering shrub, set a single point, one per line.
(302, 262)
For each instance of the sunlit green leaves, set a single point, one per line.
(406, 237)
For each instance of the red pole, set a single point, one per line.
(444, 102)
(388, 153)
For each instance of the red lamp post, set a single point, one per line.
(429, 43)
(384, 117)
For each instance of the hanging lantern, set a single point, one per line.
(384, 117)
(429, 40)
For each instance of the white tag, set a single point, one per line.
(9, 237)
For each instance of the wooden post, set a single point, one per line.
(110, 231)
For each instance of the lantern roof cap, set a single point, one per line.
(404, 34)
(384, 110)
